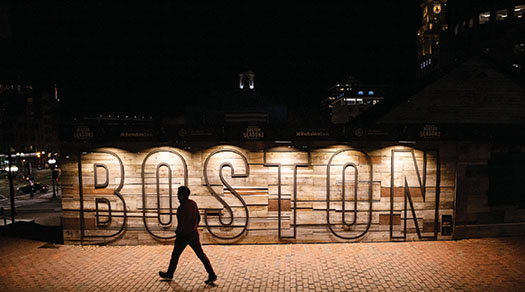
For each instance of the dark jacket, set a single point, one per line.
(188, 218)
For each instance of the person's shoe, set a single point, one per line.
(211, 279)
(165, 275)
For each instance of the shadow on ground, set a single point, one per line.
(33, 231)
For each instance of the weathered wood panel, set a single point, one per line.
(134, 201)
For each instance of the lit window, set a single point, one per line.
(359, 100)
(350, 100)
(360, 92)
(484, 17)
(519, 11)
(501, 14)
(370, 92)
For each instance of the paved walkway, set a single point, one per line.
(467, 265)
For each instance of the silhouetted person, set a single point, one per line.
(188, 218)
(31, 186)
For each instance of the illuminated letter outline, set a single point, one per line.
(106, 183)
(158, 191)
(97, 215)
(407, 196)
(116, 192)
(279, 193)
(370, 194)
(233, 191)
(170, 194)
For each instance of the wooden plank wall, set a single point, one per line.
(250, 189)
(475, 215)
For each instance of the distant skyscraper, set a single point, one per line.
(454, 31)
(432, 25)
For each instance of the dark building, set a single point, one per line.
(348, 98)
(225, 116)
(28, 90)
(482, 110)
(446, 163)
(28, 119)
(429, 35)
(244, 105)
(492, 28)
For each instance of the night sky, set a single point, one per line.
(146, 58)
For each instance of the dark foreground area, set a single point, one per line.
(491, 264)
(33, 231)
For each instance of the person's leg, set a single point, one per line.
(178, 247)
(195, 244)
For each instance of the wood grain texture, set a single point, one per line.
(257, 193)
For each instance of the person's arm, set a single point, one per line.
(180, 221)
(198, 214)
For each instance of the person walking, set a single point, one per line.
(188, 219)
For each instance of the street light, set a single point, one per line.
(52, 162)
(12, 169)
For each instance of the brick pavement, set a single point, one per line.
(495, 264)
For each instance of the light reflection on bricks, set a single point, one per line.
(467, 265)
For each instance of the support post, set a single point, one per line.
(53, 179)
(11, 188)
